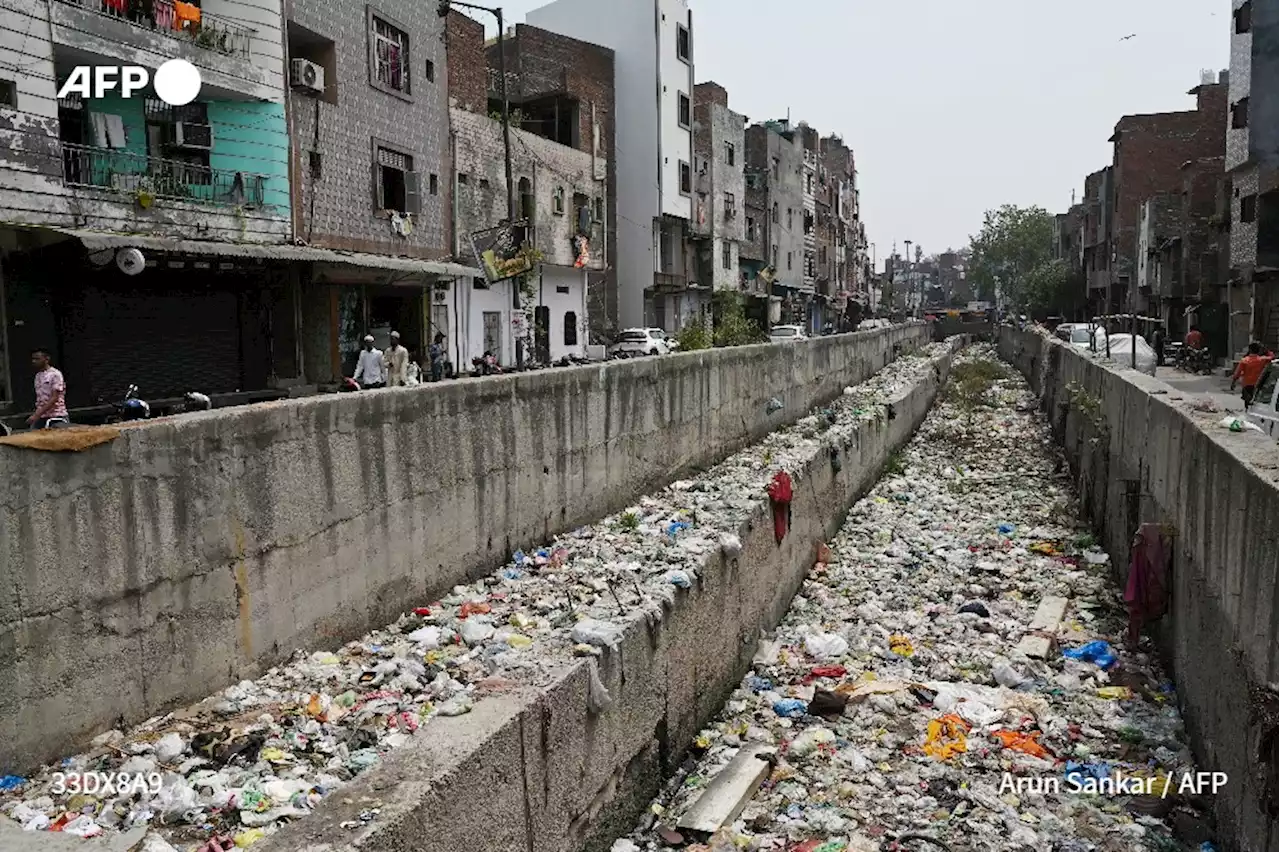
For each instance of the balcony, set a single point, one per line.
(141, 177)
(669, 282)
(176, 20)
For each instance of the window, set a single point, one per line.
(462, 178)
(730, 206)
(775, 168)
(557, 201)
(313, 164)
(1242, 18)
(728, 153)
(431, 71)
(775, 212)
(790, 220)
(570, 328)
(527, 205)
(726, 254)
(8, 93)
(686, 178)
(396, 183)
(484, 184)
(682, 42)
(434, 184)
(788, 260)
(774, 254)
(599, 212)
(1249, 208)
(751, 229)
(1240, 114)
(683, 115)
(390, 57)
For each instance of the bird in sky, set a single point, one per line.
(1129, 36)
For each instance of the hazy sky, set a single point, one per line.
(956, 106)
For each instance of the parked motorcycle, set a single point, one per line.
(486, 365)
(130, 408)
(196, 401)
(1195, 361)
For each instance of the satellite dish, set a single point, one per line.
(130, 261)
(102, 257)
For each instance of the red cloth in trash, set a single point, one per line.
(1145, 592)
(780, 498)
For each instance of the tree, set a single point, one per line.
(1053, 289)
(1013, 242)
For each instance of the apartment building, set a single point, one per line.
(719, 187)
(653, 43)
(775, 165)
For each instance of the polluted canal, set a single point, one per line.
(953, 675)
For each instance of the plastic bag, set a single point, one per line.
(601, 634)
(825, 646)
(1098, 653)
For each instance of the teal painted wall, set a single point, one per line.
(251, 138)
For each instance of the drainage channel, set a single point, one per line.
(954, 673)
(559, 688)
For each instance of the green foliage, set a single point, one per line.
(732, 327)
(1052, 289)
(970, 381)
(629, 521)
(1013, 242)
(694, 336)
(895, 465)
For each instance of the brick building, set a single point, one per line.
(562, 89)
(775, 163)
(850, 266)
(1148, 154)
(719, 188)
(1095, 238)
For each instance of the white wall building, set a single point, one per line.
(653, 43)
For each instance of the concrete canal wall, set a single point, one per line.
(196, 551)
(1140, 453)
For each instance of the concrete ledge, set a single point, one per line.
(1140, 453)
(196, 551)
(538, 770)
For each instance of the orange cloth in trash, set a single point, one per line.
(184, 12)
(1025, 743)
(945, 737)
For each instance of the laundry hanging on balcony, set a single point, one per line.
(186, 16)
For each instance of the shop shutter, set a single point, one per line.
(167, 343)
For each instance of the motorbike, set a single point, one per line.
(1195, 361)
(130, 408)
(196, 401)
(486, 365)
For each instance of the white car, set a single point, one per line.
(1076, 333)
(661, 334)
(1125, 350)
(633, 342)
(786, 334)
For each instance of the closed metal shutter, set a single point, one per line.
(167, 343)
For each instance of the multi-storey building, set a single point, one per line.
(157, 224)
(1095, 238)
(653, 43)
(562, 89)
(809, 145)
(561, 193)
(849, 265)
(719, 187)
(1251, 161)
(775, 161)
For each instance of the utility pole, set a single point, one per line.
(443, 11)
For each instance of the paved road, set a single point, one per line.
(1216, 387)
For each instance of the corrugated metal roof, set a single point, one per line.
(98, 240)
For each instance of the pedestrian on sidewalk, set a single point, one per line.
(396, 362)
(51, 393)
(1249, 370)
(369, 370)
(436, 354)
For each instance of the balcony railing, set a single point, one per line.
(142, 176)
(180, 20)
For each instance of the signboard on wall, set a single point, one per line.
(500, 253)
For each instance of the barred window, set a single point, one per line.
(391, 56)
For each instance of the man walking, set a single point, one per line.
(396, 361)
(1249, 370)
(51, 394)
(436, 353)
(369, 370)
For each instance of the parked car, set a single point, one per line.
(1075, 333)
(786, 334)
(1264, 411)
(1126, 350)
(632, 342)
(661, 334)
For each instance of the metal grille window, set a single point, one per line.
(391, 56)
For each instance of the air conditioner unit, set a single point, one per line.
(188, 135)
(305, 74)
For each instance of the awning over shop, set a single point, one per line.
(100, 240)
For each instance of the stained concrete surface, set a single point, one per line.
(197, 551)
(1140, 452)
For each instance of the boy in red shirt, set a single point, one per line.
(1249, 370)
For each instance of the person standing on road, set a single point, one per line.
(51, 393)
(1249, 370)
(436, 353)
(369, 370)
(396, 362)
(1157, 343)
(1195, 340)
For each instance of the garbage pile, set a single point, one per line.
(953, 674)
(237, 766)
